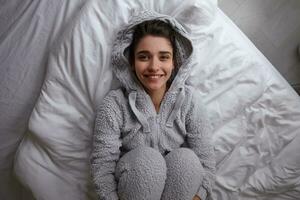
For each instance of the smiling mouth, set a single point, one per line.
(153, 76)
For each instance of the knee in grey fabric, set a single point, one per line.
(184, 175)
(144, 173)
(141, 174)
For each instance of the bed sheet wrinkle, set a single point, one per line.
(76, 92)
(56, 150)
(264, 128)
(268, 145)
(229, 109)
(231, 103)
(277, 146)
(279, 176)
(60, 137)
(48, 171)
(241, 158)
(9, 21)
(233, 132)
(25, 36)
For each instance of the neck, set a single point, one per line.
(156, 97)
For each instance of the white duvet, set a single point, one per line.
(254, 112)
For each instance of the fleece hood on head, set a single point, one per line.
(123, 71)
(120, 52)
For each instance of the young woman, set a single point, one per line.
(152, 136)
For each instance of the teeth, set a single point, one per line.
(153, 76)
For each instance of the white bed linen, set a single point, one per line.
(255, 113)
(256, 117)
(27, 29)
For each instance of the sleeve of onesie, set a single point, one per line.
(105, 152)
(199, 140)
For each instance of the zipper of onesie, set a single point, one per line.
(157, 131)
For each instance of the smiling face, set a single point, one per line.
(153, 63)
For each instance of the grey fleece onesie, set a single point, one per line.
(137, 152)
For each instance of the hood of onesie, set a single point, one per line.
(120, 51)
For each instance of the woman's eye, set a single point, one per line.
(166, 57)
(143, 57)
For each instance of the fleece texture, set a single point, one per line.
(144, 173)
(127, 119)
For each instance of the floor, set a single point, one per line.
(274, 27)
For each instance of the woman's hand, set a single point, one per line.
(196, 197)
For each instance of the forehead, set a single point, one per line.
(154, 44)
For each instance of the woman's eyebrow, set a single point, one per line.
(142, 52)
(165, 52)
(160, 52)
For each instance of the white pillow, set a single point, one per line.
(53, 159)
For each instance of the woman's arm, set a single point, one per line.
(199, 140)
(106, 151)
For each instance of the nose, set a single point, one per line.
(154, 64)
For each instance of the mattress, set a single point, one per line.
(254, 112)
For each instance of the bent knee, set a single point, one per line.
(143, 157)
(183, 155)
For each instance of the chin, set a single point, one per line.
(153, 89)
